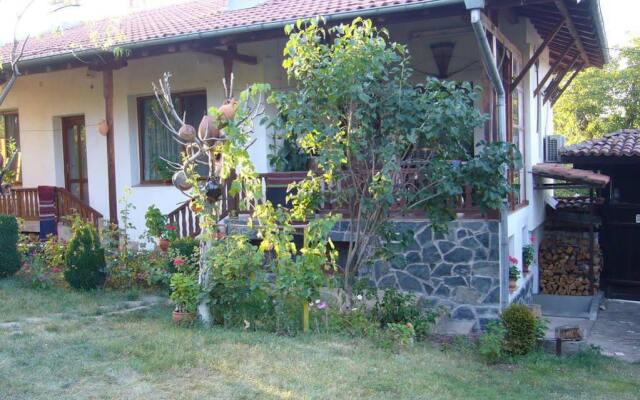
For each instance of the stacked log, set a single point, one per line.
(564, 260)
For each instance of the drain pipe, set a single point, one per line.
(475, 7)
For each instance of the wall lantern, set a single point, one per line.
(442, 53)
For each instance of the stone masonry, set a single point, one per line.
(459, 270)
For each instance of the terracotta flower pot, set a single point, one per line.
(180, 317)
(513, 285)
(164, 245)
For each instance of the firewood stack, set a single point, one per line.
(564, 261)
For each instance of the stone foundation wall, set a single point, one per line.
(459, 270)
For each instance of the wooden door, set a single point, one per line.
(75, 156)
(621, 250)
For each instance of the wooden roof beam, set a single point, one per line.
(566, 85)
(553, 69)
(572, 29)
(536, 55)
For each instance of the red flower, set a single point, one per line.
(533, 238)
(56, 270)
(513, 260)
(178, 261)
(170, 227)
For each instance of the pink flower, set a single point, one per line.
(170, 227)
(513, 260)
(322, 305)
(56, 270)
(533, 238)
(178, 261)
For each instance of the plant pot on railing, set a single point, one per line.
(276, 185)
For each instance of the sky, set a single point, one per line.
(620, 16)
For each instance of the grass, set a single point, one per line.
(143, 355)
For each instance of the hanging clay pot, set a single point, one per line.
(187, 133)
(103, 127)
(179, 180)
(208, 129)
(228, 109)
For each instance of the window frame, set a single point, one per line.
(141, 153)
(19, 158)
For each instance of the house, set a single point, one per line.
(523, 52)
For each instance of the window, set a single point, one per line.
(10, 129)
(156, 142)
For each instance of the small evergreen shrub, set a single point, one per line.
(520, 330)
(9, 256)
(84, 258)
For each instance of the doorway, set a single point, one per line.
(75, 156)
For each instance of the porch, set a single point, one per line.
(28, 205)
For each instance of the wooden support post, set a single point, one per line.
(555, 84)
(535, 56)
(553, 69)
(107, 82)
(592, 202)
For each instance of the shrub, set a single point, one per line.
(10, 258)
(53, 252)
(185, 247)
(491, 342)
(520, 329)
(238, 283)
(185, 292)
(84, 258)
(401, 308)
(398, 336)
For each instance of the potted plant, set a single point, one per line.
(156, 223)
(528, 254)
(169, 234)
(514, 274)
(185, 293)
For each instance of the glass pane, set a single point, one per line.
(72, 153)
(158, 142)
(75, 189)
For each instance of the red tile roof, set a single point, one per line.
(580, 176)
(579, 203)
(624, 143)
(189, 18)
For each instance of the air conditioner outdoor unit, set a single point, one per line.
(552, 146)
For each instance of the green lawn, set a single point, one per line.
(143, 356)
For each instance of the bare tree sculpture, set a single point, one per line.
(220, 142)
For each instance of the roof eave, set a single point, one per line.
(372, 12)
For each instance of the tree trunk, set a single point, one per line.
(203, 279)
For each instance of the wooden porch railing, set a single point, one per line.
(23, 203)
(187, 222)
(68, 204)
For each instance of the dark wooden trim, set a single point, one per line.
(139, 102)
(559, 93)
(67, 123)
(553, 69)
(536, 55)
(107, 82)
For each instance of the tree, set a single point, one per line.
(600, 101)
(379, 141)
